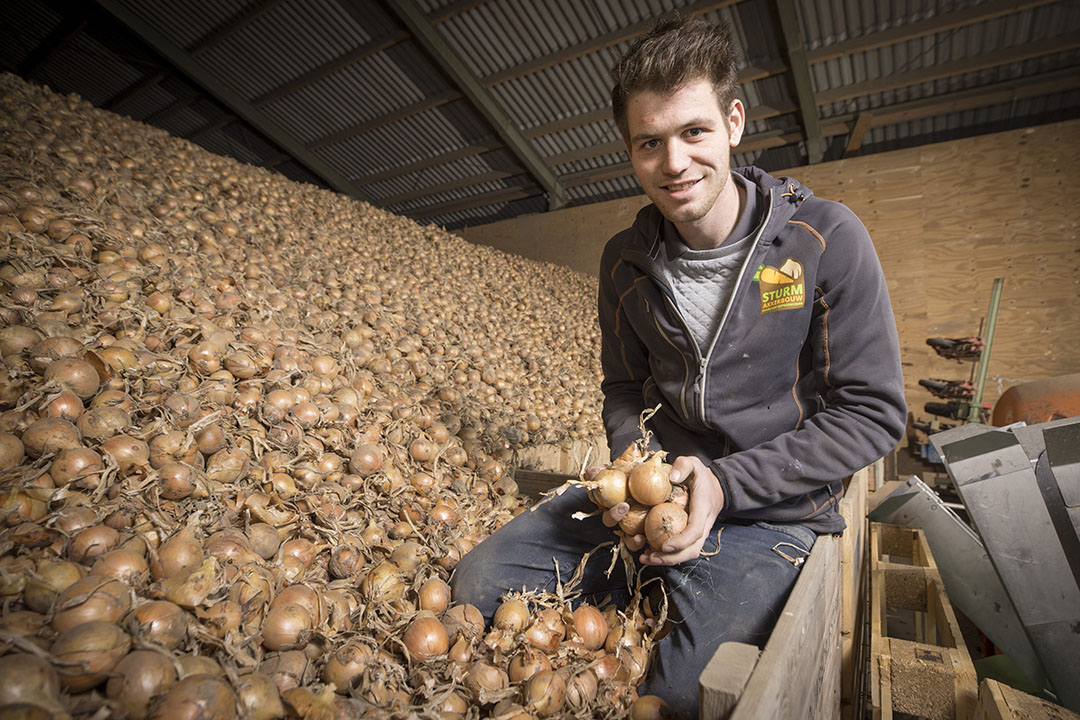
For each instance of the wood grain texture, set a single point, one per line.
(798, 673)
(946, 219)
(723, 680)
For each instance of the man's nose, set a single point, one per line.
(676, 158)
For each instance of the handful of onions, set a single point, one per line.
(657, 508)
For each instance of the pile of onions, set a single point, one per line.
(247, 429)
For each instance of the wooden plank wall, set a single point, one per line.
(946, 220)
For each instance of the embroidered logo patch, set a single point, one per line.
(781, 288)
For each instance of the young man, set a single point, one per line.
(757, 316)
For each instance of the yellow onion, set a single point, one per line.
(545, 693)
(286, 627)
(465, 620)
(648, 482)
(178, 554)
(138, 678)
(511, 616)
(346, 664)
(50, 435)
(527, 663)
(483, 679)
(100, 645)
(190, 588)
(29, 679)
(434, 595)
(590, 627)
(196, 697)
(160, 622)
(650, 707)
(426, 637)
(259, 698)
(662, 522)
(608, 487)
(53, 577)
(92, 542)
(92, 598)
(581, 689)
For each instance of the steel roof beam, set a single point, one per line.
(474, 201)
(450, 186)
(417, 166)
(1014, 54)
(69, 27)
(432, 41)
(432, 101)
(911, 31)
(230, 99)
(238, 21)
(792, 39)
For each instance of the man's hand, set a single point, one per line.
(706, 501)
(614, 514)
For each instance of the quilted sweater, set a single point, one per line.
(802, 384)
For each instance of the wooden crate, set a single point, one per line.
(920, 667)
(1001, 702)
(852, 551)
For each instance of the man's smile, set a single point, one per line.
(679, 187)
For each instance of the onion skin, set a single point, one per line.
(29, 679)
(286, 627)
(259, 698)
(662, 522)
(590, 627)
(545, 693)
(650, 707)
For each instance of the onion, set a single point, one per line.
(66, 406)
(92, 598)
(608, 488)
(463, 620)
(286, 627)
(176, 481)
(511, 616)
(179, 553)
(527, 663)
(123, 564)
(633, 522)
(221, 618)
(581, 689)
(545, 693)
(138, 678)
(648, 482)
(264, 540)
(50, 435)
(160, 622)
(196, 697)
(345, 561)
(305, 596)
(80, 465)
(188, 665)
(259, 698)
(547, 631)
(590, 627)
(75, 375)
(663, 521)
(102, 423)
(434, 595)
(53, 577)
(426, 637)
(29, 679)
(482, 679)
(190, 588)
(650, 707)
(100, 645)
(92, 542)
(128, 452)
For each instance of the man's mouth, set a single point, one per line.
(679, 187)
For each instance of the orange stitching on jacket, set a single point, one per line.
(811, 230)
(795, 395)
(825, 334)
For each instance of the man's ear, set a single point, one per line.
(736, 121)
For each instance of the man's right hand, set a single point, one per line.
(614, 514)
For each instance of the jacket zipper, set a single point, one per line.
(686, 365)
(704, 362)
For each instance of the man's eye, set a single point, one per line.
(650, 144)
(695, 132)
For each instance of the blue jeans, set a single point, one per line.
(735, 595)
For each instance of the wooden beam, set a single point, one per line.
(431, 40)
(922, 28)
(792, 37)
(416, 108)
(862, 125)
(1019, 53)
(425, 163)
(492, 198)
(232, 100)
(53, 43)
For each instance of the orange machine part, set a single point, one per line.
(1039, 401)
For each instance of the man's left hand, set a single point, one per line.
(706, 501)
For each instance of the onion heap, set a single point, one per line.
(247, 429)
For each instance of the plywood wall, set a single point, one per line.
(946, 220)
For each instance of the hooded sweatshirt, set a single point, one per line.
(801, 385)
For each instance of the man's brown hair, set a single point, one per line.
(674, 52)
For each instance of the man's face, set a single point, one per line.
(680, 146)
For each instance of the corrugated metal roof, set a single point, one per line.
(299, 61)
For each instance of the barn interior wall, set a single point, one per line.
(946, 220)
